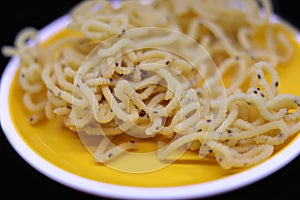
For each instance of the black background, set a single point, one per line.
(20, 180)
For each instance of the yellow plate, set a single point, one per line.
(59, 153)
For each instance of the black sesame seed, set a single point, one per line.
(31, 119)
(142, 112)
(122, 33)
(258, 76)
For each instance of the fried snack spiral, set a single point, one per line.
(219, 99)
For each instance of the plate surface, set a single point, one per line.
(59, 154)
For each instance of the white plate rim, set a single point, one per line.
(82, 184)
